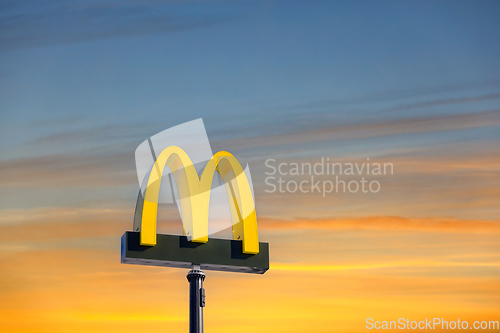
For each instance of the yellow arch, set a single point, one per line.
(194, 196)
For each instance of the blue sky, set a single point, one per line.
(94, 79)
(176, 61)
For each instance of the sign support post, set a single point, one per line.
(196, 299)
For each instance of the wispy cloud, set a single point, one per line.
(68, 215)
(448, 101)
(69, 170)
(393, 96)
(370, 129)
(31, 24)
(385, 223)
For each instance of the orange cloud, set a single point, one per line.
(324, 273)
(385, 223)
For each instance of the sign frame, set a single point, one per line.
(177, 251)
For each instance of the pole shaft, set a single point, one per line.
(196, 299)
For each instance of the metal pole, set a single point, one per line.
(196, 299)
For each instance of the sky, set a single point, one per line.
(414, 84)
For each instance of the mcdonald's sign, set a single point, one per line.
(244, 253)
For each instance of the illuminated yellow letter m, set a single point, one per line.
(194, 196)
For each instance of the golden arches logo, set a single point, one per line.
(194, 194)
